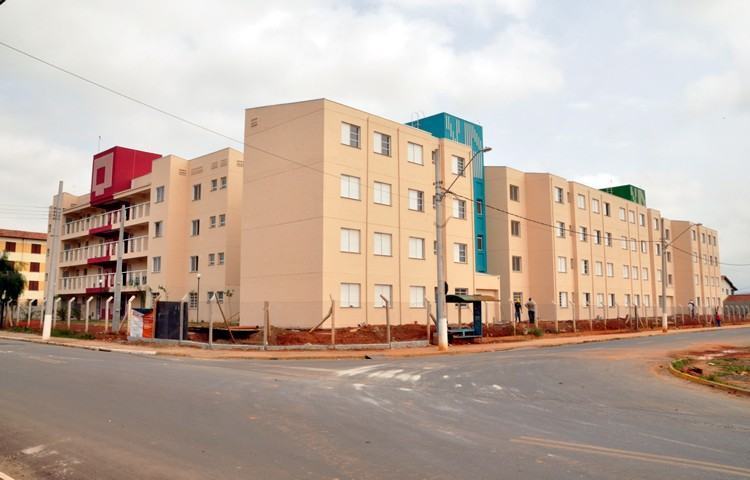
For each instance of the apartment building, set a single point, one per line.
(582, 253)
(338, 206)
(181, 223)
(27, 251)
(696, 254)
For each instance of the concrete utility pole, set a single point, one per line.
(664, 323)
(439, 225)
(53, 250)
(116, 311)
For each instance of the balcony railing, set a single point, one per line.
(111, 218)
(108, 249)
(130, 281)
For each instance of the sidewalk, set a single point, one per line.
(202, 353)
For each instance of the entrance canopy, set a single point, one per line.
(451, 298)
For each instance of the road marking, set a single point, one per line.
(632, 455)
(32, 450)
(356, 371)
(5, 477)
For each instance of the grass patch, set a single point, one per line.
(64, 333)
(680, 364)
(537, 332)
(21, 329)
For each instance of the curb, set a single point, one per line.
(94, 348)
(703, 381)
(363, 354)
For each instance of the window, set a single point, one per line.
(10, 246)
(631, 216)
(214, 184)
(220, 256)
(194, 263)
(382, 291)
(349, 240)
(669, 279)
(586, 299)
(381, 143)
(666, 234)
(559, 195)
(222, 219)
(627, 299)
(36, 248)
(621, 214)
(703, 238)
(625, 271)
(610, 270)
(416, 296)
(647, 300)
(633, 245)
(595, 205)
(350, 187)
(644, 246)
(658, 275)
(197, 191)
(597, 237)
(516, 262)
(634, 273)
(193, 300)
(382, 193)
(636, 300)
(212, 221)
(693, 234)
(608, 239)
(515, 228)
(560, 230)
(416, 200)
(350, 134)
(562, 298)
(158, 229)
(416, 248)
(562, 264)
(607, 209)
(658, 249)
(222, 185)
(33, 285)
(479, 207)
(581, 201)
(480, 242)
(211, 259)
(611, 300)
(624, 242)
(195, 229)
(584, 267)
(156, 265)
(600, 300)
(656, 224)
(159, 194)
(642, 219)
(350, 295)
(34, 266)
(515, 193)
(457, 165)
(459, 252)
(583, 234)
(382, 244)
(414, 153)
(459, 208)
(598, 269)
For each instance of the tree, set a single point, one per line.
(12, 284)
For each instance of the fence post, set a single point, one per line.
(106, 313)
(210, 322)
(55, 305)
(333, 323)
(70, 301)
(428, 309)
(28, 313)
(88, 304)
(591, 317)
(388, 321)
(573, 315)
(266, 322)
(183, 301)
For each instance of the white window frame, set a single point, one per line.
(559, 195)
(350, 240)
(416, 248)
(595, 205)
(516, 262)
(581, 201)
(381, 193)
(415, 153)
(459, 209)
(158, 229)
(159, 194)
(350, 187)
(562, 264)
(416, 200)
(195, 227)
(351, 135)
(458, 165)
(417, 294)
(385, 290)
(381, 143)
(562, 298)
(197, 192)
(382, 244)
(460, 253)
(156, 264)
(193, 263)
(350, 295)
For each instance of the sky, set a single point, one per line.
(655, 94)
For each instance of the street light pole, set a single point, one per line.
(664, 323)
(442, 325)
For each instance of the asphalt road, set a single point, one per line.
(592, 411)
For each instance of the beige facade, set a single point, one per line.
(181, 219)
(27, 251)
(338, 205)
(583, 253)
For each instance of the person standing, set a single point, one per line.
(717, 317)
(691, 307)
(517, 308)
(531, 308)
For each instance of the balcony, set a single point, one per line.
(107, 221)
(100, 283)
(104, 252)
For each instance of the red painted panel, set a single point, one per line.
(114, 170)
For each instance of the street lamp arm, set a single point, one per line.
(463, 170)
(683, 232)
